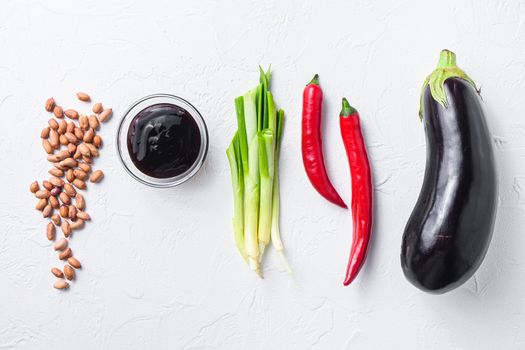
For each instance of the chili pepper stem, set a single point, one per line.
(347, 109)
(315, 80)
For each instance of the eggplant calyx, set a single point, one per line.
(445, 69)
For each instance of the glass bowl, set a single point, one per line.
(122, 138)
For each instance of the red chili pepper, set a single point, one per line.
(312, 144)
(361, 188)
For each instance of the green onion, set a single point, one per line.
(234, 158)
(253, 156)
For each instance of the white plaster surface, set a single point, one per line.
(160, 267)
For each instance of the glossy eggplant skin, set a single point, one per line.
(449, 231)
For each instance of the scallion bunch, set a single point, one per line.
(254, 162)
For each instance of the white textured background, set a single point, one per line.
(160, 267)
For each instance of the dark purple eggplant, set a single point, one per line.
(449, 231)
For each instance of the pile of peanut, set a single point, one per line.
(71, 147)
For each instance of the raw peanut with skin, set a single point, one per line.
(53, 124)
(97, 141)
(58, 112)
(41, 194)
(105, 115)
(66, 254)
(81, 185)
(71, 137)
(70, 127)
(55, 191)
(94, 122)
(70, 190)
(56, 219)
(84, 150)
(47, 185)
(97, 108)
(72, 213)
(62, 127)
(87, 159)
(80, 174)
(71, 114)
(77, 225)
(63, 140)
(53, 202)
(83, 215)
(74, 262)
(56, 172)
(83, 121)
(89, 135)
(50, 104)
(54, 138)
(82, 96)
(70, 175)
(41, 204)
(64, 198)
(57, 272)
(80, 202)
(69, 163)
(61, 244)
(97, 176)
(79, 134)
(51, 231)
(34, 187)
(71, 149)
(44, 134)
(92, 149)
(69, 272)
(55, 181)
(64, 211)
(52, 158)
(47, 146)
(66, 228)
(48, 210)
(85, 167)
(59, 166)
(77, 154)
(61, 284)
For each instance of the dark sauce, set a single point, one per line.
(164, 140)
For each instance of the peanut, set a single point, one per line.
(66, 228)
(41, 204)
(89, 135)
(105, 115)
(47, 146)
(62, 127)
(57, 272)
(83, 121)
(74, 262)
(64, 211)
(61, 284)
(58, 112)
(97, 141)
(77, 225)
(53, 124)
(69, 272)
(50, 104)
(72, 212)
(93, 122)
(61, 244)
(65, 199)
(44, 134)
(81, 185)
(56, 219)
(97, 176)
(48, 210)
(51, 231)
(70, 190)
(40, 194)
(53, 202)
(34, 187)
(71, 114)
(64, 255)
(82, 96)
(70, 175)
(97, 108)
(56, 172)
(83, 215)
(80, 202)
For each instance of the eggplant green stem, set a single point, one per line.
(446, 68)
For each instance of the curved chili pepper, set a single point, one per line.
(361, 188)
(312, 144)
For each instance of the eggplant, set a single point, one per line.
(449, 231)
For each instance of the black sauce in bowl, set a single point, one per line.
(163, 140)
